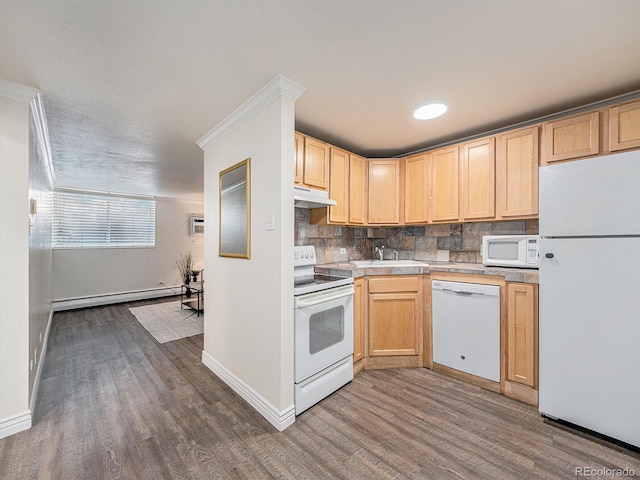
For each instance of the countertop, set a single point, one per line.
(346, 269)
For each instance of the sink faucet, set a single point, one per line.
(379, 251)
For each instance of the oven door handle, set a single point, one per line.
(302, 303)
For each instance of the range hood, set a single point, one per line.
(311, 198)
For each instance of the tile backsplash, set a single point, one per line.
(455, 242)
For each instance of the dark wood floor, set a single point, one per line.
(113, 403)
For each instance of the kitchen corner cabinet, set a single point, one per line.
(384, 196)
(478, 180)
(517, 174)
(394, 321)
(299, 158)
(358, 323)
(416, 176)
(316, 164)
(357, 190)
(339, 185)
(624, 126)
(443, 186)
(521, 379)
(572, 138)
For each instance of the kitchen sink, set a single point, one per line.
(386, 263)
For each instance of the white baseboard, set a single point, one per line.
(279, 419)
(15, 424)
(39, 367)
(107, 299)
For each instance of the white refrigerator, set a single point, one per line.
(589, 315)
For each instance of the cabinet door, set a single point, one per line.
(522, 341)
(316, 163)
(444, 185)
(479, 180)
(395, 316)
(299, 158)
(384, 192)
(357, 189)
(358, 320)
(517, 173)
(416, 171)
(624, 126)
(338, 185)
(573, 137)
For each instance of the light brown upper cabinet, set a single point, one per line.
(517, 173)
(299, 158)
(416, 176)
(357, 190)
(339, 185)
(443, 185)
(384, 192)
(624, 126)
(478, 179)
(316, 163)
(573, 137)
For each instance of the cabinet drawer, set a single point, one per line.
(394, 284)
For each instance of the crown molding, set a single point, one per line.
(17, 91)
(279, 86)
(42, 132)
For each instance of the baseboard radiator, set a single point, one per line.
(110, 298)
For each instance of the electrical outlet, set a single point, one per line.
(343, 251)
(35, 356)
(30, 365)
(269, 222)
(40, 337)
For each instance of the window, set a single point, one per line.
(91, 219)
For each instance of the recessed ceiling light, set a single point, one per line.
(429, 110)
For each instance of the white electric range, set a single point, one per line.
(323, 329)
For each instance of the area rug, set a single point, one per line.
(166, 322)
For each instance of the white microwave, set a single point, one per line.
(511, 250)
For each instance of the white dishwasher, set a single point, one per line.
(466, 327)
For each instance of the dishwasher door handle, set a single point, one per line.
(460, 292)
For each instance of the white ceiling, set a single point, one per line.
(129, 86)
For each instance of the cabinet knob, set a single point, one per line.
(548, 255)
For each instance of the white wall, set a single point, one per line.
(248, 320)
(40, 298)
(87, 272)
(14, 265)
(25, 254)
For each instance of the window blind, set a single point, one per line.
(89, 220)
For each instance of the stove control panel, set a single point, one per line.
(304, 255)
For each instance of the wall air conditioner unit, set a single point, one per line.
(196, 225)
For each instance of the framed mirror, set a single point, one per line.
(235, 211)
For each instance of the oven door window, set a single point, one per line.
(326, 329)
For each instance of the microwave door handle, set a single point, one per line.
(315, 301)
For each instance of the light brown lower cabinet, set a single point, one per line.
(358, 324)
(521, 378)
(393, 333)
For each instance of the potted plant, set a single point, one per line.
(194, 274)
(184, 262)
